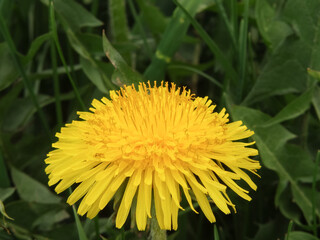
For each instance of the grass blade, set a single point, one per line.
(119, 25)
(171, 40)
(192, 69)
(243, 38)
(142, 32)
(5, 32)
(53, 28)
(227, 22)
(81, 233)
(211, 44)
(56, 84)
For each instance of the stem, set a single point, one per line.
(155, 232)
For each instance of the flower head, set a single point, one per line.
(159, 143)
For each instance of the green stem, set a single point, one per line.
(155, 232)
(56, 84)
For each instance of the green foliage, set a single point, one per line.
(260, 59)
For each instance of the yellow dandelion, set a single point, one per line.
(155, 142)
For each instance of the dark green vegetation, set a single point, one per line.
(260, 59)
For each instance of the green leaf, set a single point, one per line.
(302, 195)
(6, 192)
(46, 221)
(74, 15)
(22, 111)
(31, 190)
(3, 211)
(293, 109)
(152, 17)
(285, 70)
(270, 142)
(172, 38)
(4, 178)
(272, 29)
(124, 74)
(35, 46)
(315, 74)
(8, 71)
(90, 67)
(118, 20)
(92, 71)
(287, 207)
(211, 44)
(297, 235)
(303, 164)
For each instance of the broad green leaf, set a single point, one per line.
(272, 29)
(8, 71)
(298, 235)
(270, 142)
(26, 213)
(285, 71)
(75, 15)
(302, 195)
(31, 190)
(293, 109)
(273, 229)
(303, 168)
(124, 74)
(6, 192)
(46, 221)
(287, 207)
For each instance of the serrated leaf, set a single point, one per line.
(273, 30)
(285, 70)
(303, 197)
(293, 109)
(270, 142)
(31, 190)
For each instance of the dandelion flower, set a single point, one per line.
(159, 144)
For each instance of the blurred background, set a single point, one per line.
(260, 59)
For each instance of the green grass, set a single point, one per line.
(259, 59)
